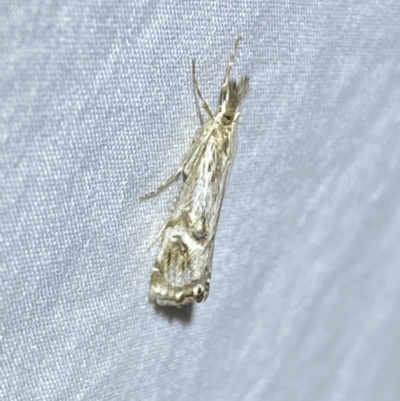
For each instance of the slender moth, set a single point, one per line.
(182, 270)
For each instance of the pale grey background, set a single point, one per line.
(97, 107)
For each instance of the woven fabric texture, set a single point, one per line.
(97, 107)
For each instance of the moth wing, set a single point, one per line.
(233, 144)
(197, 148)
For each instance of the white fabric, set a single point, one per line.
(97, 107)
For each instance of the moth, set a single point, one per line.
(182, 270)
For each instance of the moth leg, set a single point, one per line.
(158, 235)
(162, 186)
(204, 104)
(173, 177)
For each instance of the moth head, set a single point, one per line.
(230, 97)
(228, 117)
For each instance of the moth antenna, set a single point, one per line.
(205, 106)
